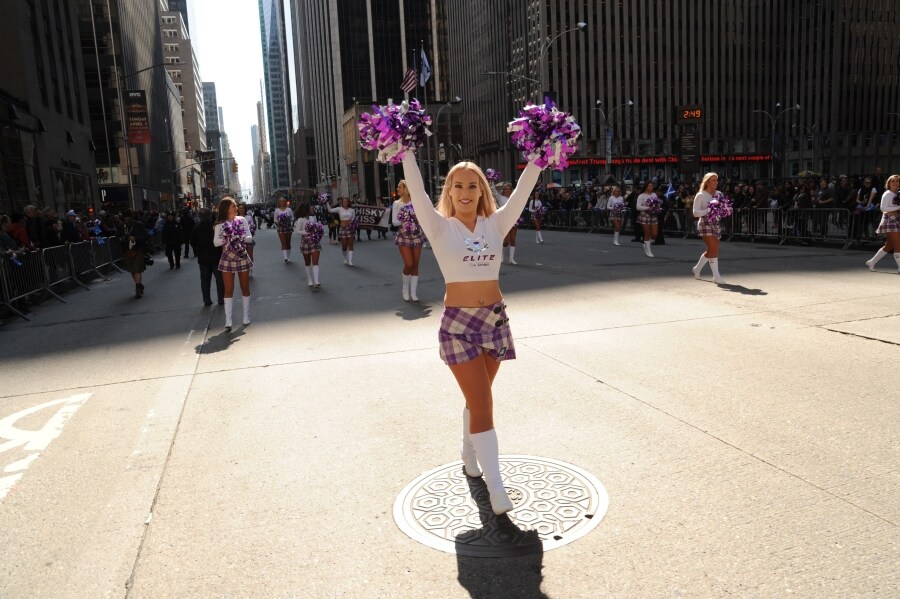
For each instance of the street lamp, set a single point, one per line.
(437, 129)
(598, 105)
(774, 121)
(545, 45)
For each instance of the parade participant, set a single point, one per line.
(616, 207)
(409, 241)
(309, 229)
(171, 238)
(232, 234)
(510, 240)
(284, 225)
(537, 210)
(134, 239)
(890, 223)
(208, 256)
(646, 216)
(346, 214)
(708, 228)
(242, 212)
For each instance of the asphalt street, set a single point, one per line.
(746, 434)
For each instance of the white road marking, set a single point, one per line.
(34, 441)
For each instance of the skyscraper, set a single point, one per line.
(277, 94)
(213, 131)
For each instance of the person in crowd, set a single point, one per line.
(536, 210)
(69, 233)
(510, 240)
(134, 247)
(890, 223)
(15, 229)
(187, 227)
(171, 239)
(709, 230)
(235, 260)
(334, 224)
(242, 212)
(345, 214)
(32, 224)
(649, 223)
(208, 256)
(409, 240)
(50, 229)
(615, 206)
(310, 248)
(465, 231)
(284, 225)
(631, 203)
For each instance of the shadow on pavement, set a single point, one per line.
(220, 342)
(742, 290)
(414, 312)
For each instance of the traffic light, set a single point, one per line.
(234, 166)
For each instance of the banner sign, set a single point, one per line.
(138, 121)
(369, 216)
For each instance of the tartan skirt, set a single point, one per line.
(284, 228)
(890, 223)
(411, 240)
(308, 247)
(345, 232)
(705, 228)
(232, 261)
(466, 333)
(645, 218)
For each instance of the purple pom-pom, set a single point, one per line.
(324, 198)
(654, 206)
(314, 232)
(233, 233)
(407, 216)
(283, 222)
(545, 134)
(493, 175)
(618, 210)
(719, 208)
(393, 130)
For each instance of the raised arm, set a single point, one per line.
(430, 219)
(508, 214)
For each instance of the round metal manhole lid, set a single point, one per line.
(555, 504)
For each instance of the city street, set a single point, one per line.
(746, 435)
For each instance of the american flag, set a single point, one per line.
(409, 81)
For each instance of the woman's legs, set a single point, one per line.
(315, 268)
(538, 238)
(350, 251)
(307, 261)
(712, 254)
(648, 239)
(617, 228)
(407, 256)
(891, 245)
(244, 279)
(414, 273)
(510, 242)
(285, 239)
(704, 257)
(228, 279)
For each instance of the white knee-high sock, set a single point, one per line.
(467, 451)
(488, 454)
(647, 250)
(512, 254)
(309, 279)
(350, 257)
(615, 238)
(699, 268)
(897, 259)
(874, 259)
(405, 290)
(714, 265)
(315, 270)
(229, 308)
(413, 286)
(245, 300)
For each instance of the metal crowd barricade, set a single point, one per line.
(23, 279)
(58, 267)
(816, 224)
(116, 253)
(83, 260)
(100, 253)
(556, 219)
(861, 227)
(581, 220)
(757, 222)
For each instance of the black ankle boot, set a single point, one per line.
(138, 291)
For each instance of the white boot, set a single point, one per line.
(699, 268)
(874, 259)
(315, 270)
(406, 287)
(309, 278)
(413, 286)
(245, 300)
(897, 260)
(714, 265)
(616, 239)
(467, 451)
(512, 254)
(344, 254)
(349, 257)
(647, 251)
(488, 456)
(229, 308)
(286, 254)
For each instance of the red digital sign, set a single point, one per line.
(626, 160)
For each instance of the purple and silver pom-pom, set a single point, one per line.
(252, 228)
(540, 213)
(520, 221)
(407, 216)
(618, 210)
(719, 208)
(233, 234)
(314, 232)
(393, 130)
(493, 175)
(353, 225)
(545, 134)
(324, 198)
(654, 206)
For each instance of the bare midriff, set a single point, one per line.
(472, 294)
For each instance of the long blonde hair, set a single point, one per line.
(706, 179)
(404, 195)
(486, 205)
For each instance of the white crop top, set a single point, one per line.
(887, 202)
(219, 241)
(701, 203)
(465, 255)
(300, 224)
(398, 204)
(344, 213)
(615, 201)
(642, 201)
(279, 212)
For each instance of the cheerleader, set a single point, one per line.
(346, 214)
(235, 259)
(648, 221)
(284, 224)
(242, 212)
(510, 240)
(465, 230)
(890, 223)
(409, 239)
(616, 207)
(708, 230)
(310, 248)
(536, 208)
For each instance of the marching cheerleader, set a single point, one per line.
(284, 224)
(536, 208)
(242, 212)
(346, 233)
(646, 218)
(616, 206)
(510, 240)
(232, 234)
(890, 223)
(707, 228)
(409, 240)
(309, 229)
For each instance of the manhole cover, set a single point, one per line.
(555, 504)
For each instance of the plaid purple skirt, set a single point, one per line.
(232, 261)
(345, 233)
(308, 247)
(706, 228)
(284, 228)
(645, 218)
(890, 223)
(466, 333)
(410, 239)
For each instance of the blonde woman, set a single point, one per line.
(616, 206)
(890, 223)
(284, 225)
(345, 234)
(708, 230)
(409, 241)
(232, 234)
(467, 231)
(647, 220)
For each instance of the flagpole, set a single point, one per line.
(427, 141)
